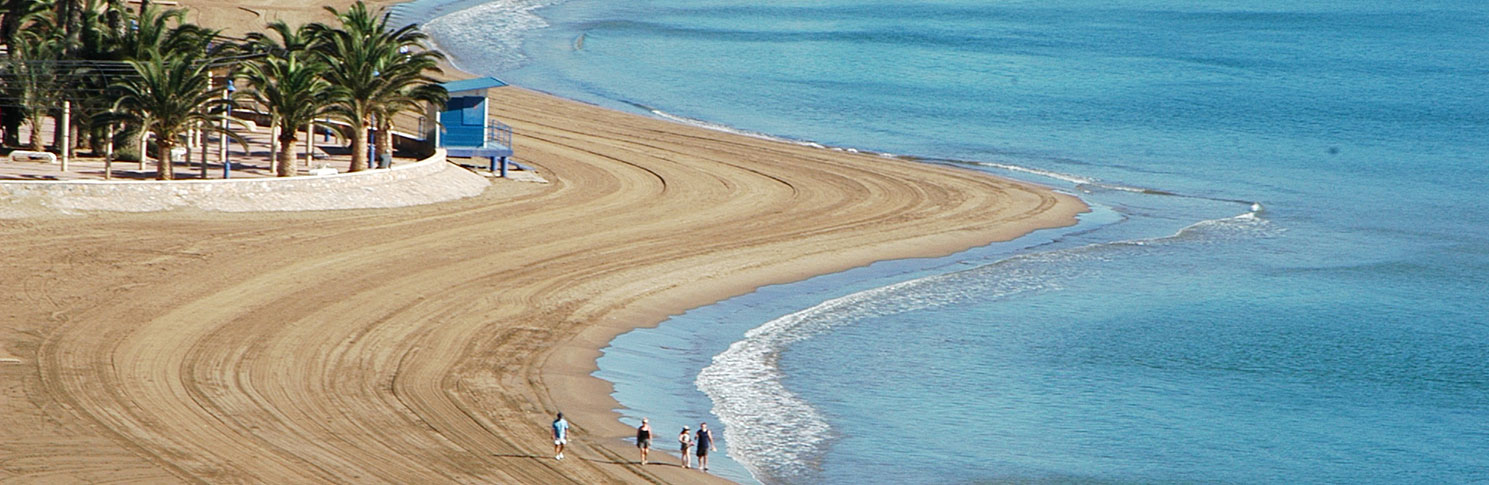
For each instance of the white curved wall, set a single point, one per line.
(426, 181)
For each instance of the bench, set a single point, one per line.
(25, 156)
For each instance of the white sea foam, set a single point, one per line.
(1074, 179)
(753, 134)
(1079, 181)
(718, 127)
(779, 437)
(487, 37)
(772, 432)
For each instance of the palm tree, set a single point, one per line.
(69, 15)
(155, 31)
(59, 24)
(33, 77)
(153, 34)
(14, 14)
(100, 40)
(375, 71)
(169, 94)
(287, 80)
(406, 89)
(11, 12)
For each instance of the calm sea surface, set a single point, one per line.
(1339, 334)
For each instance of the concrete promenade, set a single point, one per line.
(30, 188)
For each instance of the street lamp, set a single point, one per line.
(227, 165)
(372, 161)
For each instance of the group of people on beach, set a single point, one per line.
(702, 440)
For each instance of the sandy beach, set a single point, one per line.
(433, 344)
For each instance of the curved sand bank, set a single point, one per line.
(433, 343)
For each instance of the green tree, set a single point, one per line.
(154, 31)
(286, 79)
(375, 71)
(163, 31)
(101, 38)
(13, 15)
(406, 88)
(32, 77)
(169, 94)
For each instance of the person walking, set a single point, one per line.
(705, 445)
(560, 436)
(643, 439)
(686, 439)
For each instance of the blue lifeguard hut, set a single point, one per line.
(464, 129)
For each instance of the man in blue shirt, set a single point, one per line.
(560, 436)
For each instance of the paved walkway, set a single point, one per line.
(26, 188)
(254, 163)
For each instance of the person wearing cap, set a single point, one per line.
(643, 439)
(687, 442)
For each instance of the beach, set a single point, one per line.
(435, 343)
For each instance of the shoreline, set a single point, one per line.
(569, 369)
(577, 365)
(645, 219)
(683, 345)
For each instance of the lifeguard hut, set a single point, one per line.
(464, 129)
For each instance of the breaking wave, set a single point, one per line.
(779, 437)
(484, 37)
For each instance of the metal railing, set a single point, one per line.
(499, 132)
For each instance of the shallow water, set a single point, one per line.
(1337, 335)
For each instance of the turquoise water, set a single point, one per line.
(1335, 333)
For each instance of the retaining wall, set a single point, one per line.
(426, 181)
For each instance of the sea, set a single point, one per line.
(1283, 278)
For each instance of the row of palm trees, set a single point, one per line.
(154, 73)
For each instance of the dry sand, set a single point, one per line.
(434, 343)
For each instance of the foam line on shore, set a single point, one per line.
(491, 30)
(779, 436)
(1088, 183)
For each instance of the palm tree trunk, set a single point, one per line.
(359, 149)
(57, 130)
(165, 169)
(285, 166)
(36, 145)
